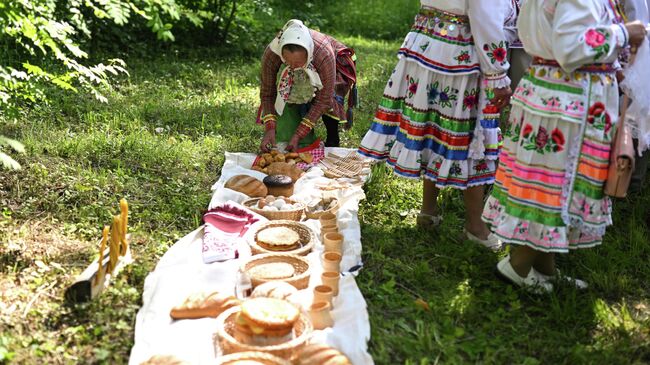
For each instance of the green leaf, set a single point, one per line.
(64, 85)
(33, 69)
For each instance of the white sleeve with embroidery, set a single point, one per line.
(580, 37)
(487, 20)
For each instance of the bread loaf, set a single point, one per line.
(320, 354)
(201, 305)
(247, 185)
(279, 185)
(283, 168)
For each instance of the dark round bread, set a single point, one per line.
(277, 180)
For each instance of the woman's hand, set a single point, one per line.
(501, 97)
(636, 31)
(293, 143)
(268, 141)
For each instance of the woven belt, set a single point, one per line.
(592, 68)
(443, 16)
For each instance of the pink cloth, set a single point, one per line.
(225, 225)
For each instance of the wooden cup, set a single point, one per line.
(331, 279)
(323, 293)
(331, 261)
(327, 219)
(320, 315)
(333, 242)
(327, 229)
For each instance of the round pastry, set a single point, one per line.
(278, 239)
(272, 271)
(265, 321)
(279, 185)
(320, 354)
(274, 289)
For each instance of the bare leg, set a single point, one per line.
(430, 198)
(522, 259)
(545, 263)
(473, 209)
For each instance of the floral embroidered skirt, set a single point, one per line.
(427, 117)
(548, 192)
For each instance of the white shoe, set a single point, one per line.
(492, 242)
(579, 284)
(532, 281)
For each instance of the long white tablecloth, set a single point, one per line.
(181, 271)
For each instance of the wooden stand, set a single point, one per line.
(83, 290)
(98, 274)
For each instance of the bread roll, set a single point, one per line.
(200, 305)
(247, 185)
(320, 354)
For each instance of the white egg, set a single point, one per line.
(272, 208)
(279, 203)
(287, 207)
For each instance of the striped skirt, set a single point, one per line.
(426, 122)
(548, 192)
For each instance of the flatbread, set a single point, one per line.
(282, 238)
(272, 271)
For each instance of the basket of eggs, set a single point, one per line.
(275, 208)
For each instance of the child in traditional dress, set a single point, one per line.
(548, 196)
(438, 117)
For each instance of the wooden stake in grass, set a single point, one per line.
(101, 271)
(124, 216)
(97, 275)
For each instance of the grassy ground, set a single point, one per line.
(432, 297)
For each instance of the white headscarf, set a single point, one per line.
(294, 32)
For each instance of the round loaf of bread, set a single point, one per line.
(277, 180)
(247, 185)
(269, 313)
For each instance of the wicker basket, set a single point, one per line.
(261, 357)
(316, 215)
(291, 215)
(300, 279)
(229, 345)
(307, 238)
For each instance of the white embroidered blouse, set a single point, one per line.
(549, 30)
(487, 19)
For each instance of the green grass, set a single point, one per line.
(160, 143)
